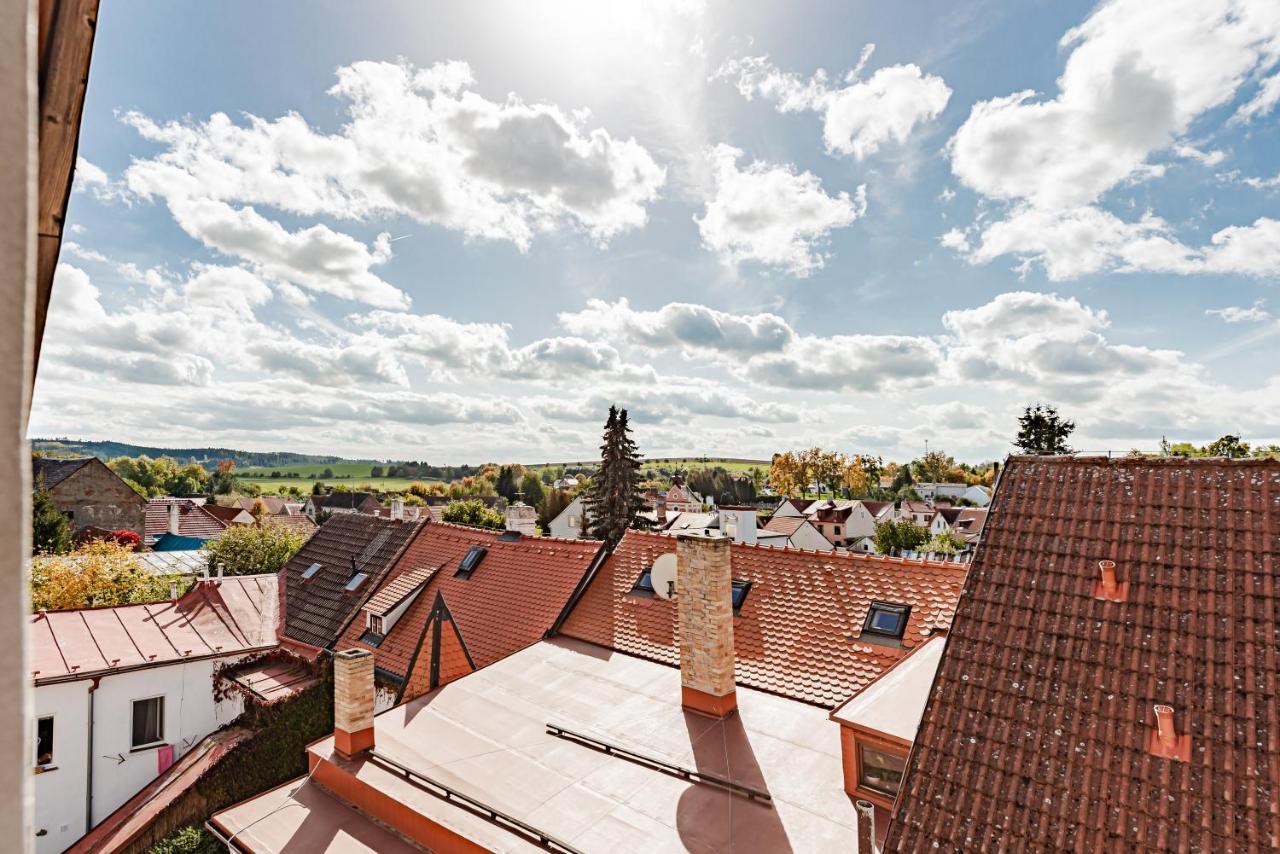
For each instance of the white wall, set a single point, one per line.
(60, 792)
(808, 537)
(860, 523)
(738, 524)
(190, 714)
(560, 526)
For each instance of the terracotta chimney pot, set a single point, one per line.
(1109, 586)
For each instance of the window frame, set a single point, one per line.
(53, 728)
(860, 743)
(904, 615)
(734, 587)
(133, 710)
(465, 571)
(638, 589)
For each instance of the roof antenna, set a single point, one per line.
(354, 568)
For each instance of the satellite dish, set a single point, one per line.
(662, 575)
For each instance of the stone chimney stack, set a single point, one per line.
(704, 603)
(352, 702)
(397, 509)
(175, 518)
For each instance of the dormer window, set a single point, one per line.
(740, 590)
(470, 561)
(886, 620)
(374, 630)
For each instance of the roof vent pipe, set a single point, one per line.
(866, 826)
(173, 588)
(1165, 733)
(221, 568)
(1109, 586)
(1164, 741)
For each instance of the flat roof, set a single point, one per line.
(301, 816)
(486, 736)
(895, 702)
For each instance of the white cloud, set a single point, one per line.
(89, 177)
(858, 118)
(1263, 101)
(771, 215)
(849, 363)
(317, 257)
(681, 325)
(1138, 75)
(1255, 313)
(419, 142)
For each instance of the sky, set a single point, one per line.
(460, 232)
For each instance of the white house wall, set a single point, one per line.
(60, 796)
(560, 526)
(808, 537)
(190, 714)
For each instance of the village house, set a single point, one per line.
(92, 497)
(681, 499)
(296, 522)
(794, 532)
(461, 598)
(640, 723)
(334, 574)
(571, 522)
(121, 693)
(340, 502)
(1110, 681)
(229, 516)
(963, 523)
(980, 496)
(180, 524)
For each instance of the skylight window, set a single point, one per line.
(886, 620)
(355, 582)
(644, 584)
(310, 572)
(740, 590)
(470, 561)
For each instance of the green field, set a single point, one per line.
(730, 464)
(357, 468)
(273, 486)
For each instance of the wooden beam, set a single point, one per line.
(66, 30)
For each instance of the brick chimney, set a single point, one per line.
(704, 607)
(352, 702)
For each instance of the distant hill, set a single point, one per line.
(207, 457)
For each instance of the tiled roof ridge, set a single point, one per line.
(474, 529)
(1177, 462)
(833, 555)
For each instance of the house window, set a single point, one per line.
(148, 722)
(886, 620)
(310, 572)
(880, 769)
(573, 521)
(740, 590)
(356, 580)
(837, 530)
(44, 741)
(644, 584)
(375, 625)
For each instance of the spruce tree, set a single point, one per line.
(50, 533)
(1042, 431)
(614, 498)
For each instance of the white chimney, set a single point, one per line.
(175, 518)
(221, 566)
(523, 518)
(739, 524)
(397, 509)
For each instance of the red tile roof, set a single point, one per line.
(799, 627)
(298, 522)
(785, 525)
(318, 608)
(193, 520)
(211, 620)
(511, 600)
(1035, 736)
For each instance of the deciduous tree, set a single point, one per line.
(252, 549)
(101, 572)
(50, 533)
(474, 513)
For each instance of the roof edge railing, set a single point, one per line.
(662, 765)
(477, 807)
